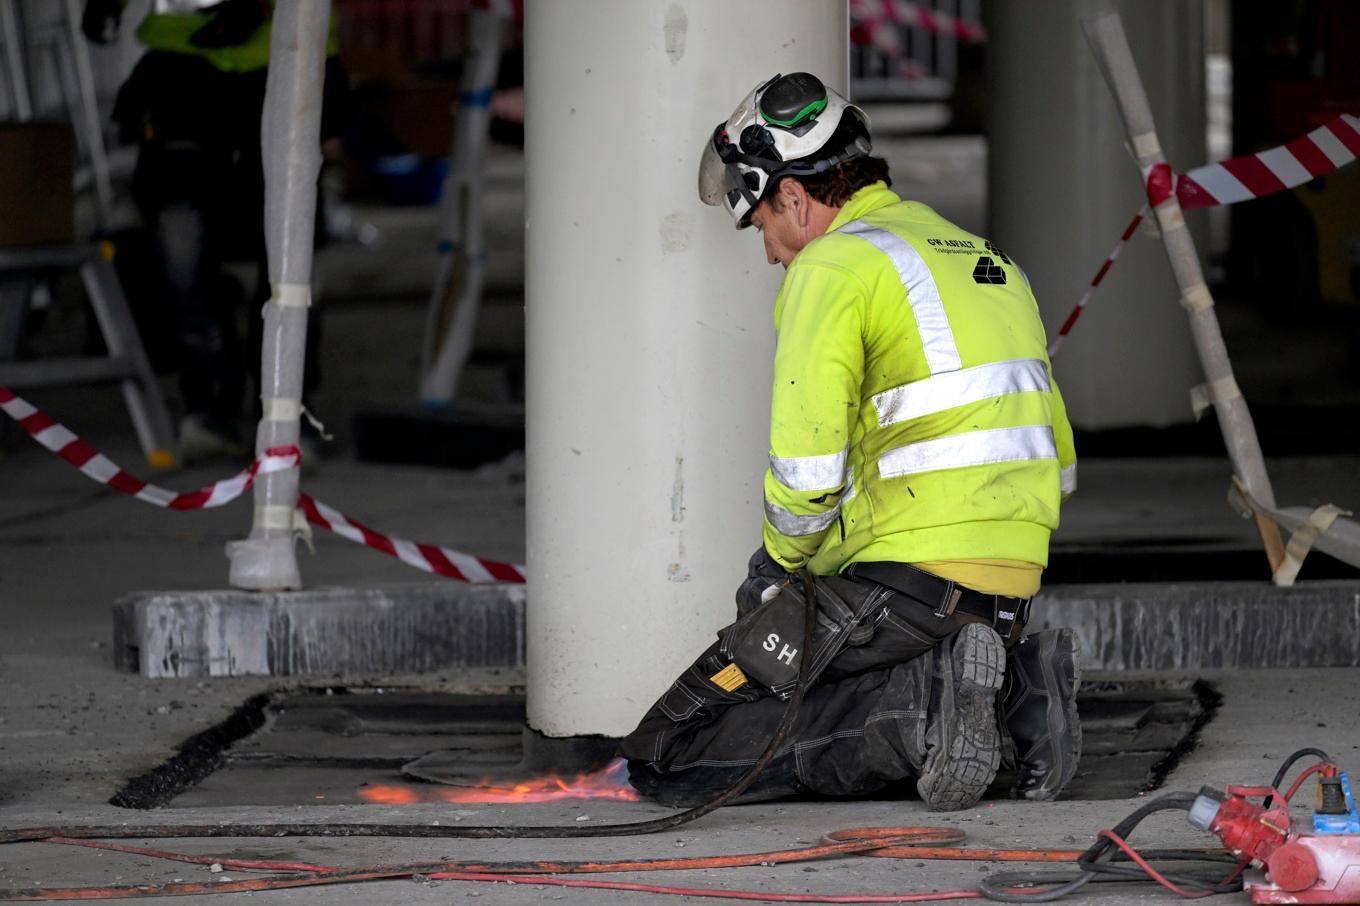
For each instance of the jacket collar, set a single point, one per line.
(864, 201)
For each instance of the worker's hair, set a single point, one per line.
(835, 186)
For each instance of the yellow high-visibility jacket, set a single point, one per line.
(172, 31)
(915, 417)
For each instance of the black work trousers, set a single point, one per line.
(864, 724)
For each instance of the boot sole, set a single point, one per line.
(962, 774)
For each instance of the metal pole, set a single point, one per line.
(14, 60)
(456, 298)
(1106, 34)
(292, 157)
(89, 112)
(1060, 190)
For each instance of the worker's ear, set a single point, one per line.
(795, 196)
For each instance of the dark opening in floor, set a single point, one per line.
(355, 745)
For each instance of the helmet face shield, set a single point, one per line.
(780, 128)
(723, 180)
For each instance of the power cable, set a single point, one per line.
(1289, 763)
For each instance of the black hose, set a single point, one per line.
(1289, 763)
(1098, 864)
(635, 828)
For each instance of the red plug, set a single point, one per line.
(1248, 831)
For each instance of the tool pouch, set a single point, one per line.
(767, 642)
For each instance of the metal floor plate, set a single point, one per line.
(362, 745)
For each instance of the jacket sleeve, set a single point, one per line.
(818, 371)
(1062, 438)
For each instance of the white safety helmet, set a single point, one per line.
(782, 128)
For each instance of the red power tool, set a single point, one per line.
(1291, 867)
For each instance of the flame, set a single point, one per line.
(390, 794)
(610, 782)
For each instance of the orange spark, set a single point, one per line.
(390, 794)
(608, 783)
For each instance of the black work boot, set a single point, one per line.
(1039, 709)
(963, 741)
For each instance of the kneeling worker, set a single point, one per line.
(919, 450)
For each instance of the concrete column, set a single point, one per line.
(1063, 188)
(650, 340)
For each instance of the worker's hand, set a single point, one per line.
(764, 577)
(100, 20)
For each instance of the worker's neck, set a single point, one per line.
(820, 217)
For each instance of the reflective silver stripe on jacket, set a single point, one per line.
(1068, 479)
(810, 473)
(173, 7)
(976, 448)
(942, 354)
(958, 388)
(787, 523)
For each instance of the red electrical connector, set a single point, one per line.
(1294, 867)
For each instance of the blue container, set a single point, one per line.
(409, 179)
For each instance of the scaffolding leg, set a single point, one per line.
(71, 60)
(14, 295)
(455, 301)
(141, 392)
(14, 61)
(1111, 48)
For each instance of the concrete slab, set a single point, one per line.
(422, 627)
(414, 628)
(1194, 626)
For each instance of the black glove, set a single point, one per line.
(99, 23)
(761, 572)
(232, 23)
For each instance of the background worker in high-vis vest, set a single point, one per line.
(193, 105)
(919, 451)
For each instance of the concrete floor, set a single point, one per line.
(72, 730)
(1265, 715)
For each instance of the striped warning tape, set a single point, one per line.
(429, 557)
(874, 15)
(1322, 151)
(95, 465)
(1318, 153)
(1095, 281)
(879, 24)
(61, 441)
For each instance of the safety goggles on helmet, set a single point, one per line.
(782, 128)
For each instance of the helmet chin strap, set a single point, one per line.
(859, 148)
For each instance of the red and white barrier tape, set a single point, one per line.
(1322, 151)
(428, 557)
(61, 441)
(1095, 281)
(879, 19)
(1318, 153)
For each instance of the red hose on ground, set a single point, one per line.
(728, 894)
(1154, 873)
(890, 842)
(869, 840)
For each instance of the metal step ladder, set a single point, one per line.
(21, 267)
(59, 45)
(126, 361)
